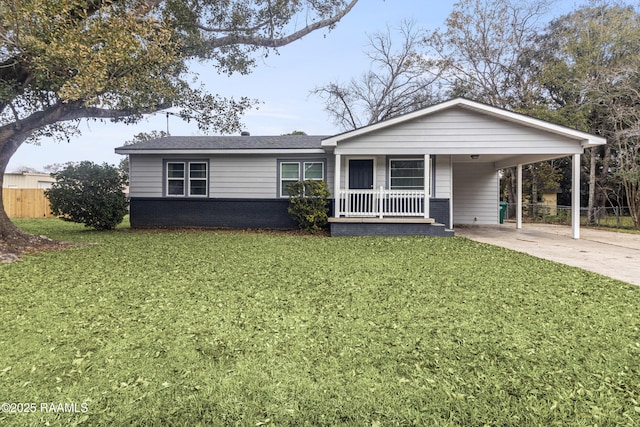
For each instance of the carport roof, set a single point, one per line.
(586, 139)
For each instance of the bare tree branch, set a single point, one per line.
(269, 42)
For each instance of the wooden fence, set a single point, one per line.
(26, 203)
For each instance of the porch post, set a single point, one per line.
(519, 196)
(575, 197)
(336, 185)
(427, 185)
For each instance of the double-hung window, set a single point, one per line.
(406, 174)
(187, 178)
(294, 171)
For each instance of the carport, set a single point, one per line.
(514, 140)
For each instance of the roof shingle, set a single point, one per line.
(186, 143)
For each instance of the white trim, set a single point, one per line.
(205, 179)
(280, 164)
(427, 184)
(586, 140)
(451, 192)
(336, 184)
(303, 170)
(186, 179)
(183, 179)
(519, 197)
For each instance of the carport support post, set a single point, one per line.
(575, 197)
(519, 197)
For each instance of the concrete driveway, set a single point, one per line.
(612, 254)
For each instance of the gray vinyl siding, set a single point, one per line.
(243, 177)
(145, 176)
(457, 131)
(230, 176)
(443, 177)
(475, 193)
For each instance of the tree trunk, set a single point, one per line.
(534, 191)
(9, 233)
(592, 186)
(512, 191)
(12, 239)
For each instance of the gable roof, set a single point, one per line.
(587, 140)
(226, 144)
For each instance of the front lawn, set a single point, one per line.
(250, 329)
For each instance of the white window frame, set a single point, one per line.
(302, 166)
(205, 179)
(186, 179)
(304, 171)
(414, 159)
(282, 180)
(168, 179)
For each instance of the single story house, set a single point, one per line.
(420, 173)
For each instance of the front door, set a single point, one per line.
(361, 203)
(361, 174)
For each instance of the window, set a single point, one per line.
(289, 172)
(293, 171)
(197, 179)
(175, 179)
(313, 171)
(406, 174)
(187, 179)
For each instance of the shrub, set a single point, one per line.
(89, 194)
(309, 204)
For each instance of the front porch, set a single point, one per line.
(385, 212)
(382, 203)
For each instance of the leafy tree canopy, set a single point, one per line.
(65, 60)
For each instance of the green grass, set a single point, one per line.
(238, 328)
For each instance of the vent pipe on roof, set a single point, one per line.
(245, 133)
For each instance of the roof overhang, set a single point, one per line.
(188, 152)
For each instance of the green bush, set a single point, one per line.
(89, 194)
(309, 204)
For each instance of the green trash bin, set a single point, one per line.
(503, 211)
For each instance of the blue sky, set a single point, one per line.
(281, 82)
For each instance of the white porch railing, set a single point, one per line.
(381, 203)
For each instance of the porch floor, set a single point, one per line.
(385, 220)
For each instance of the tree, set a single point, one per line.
(398, 82)
(484, 50)
(589, 63)
(66, 60)
(89, 194)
